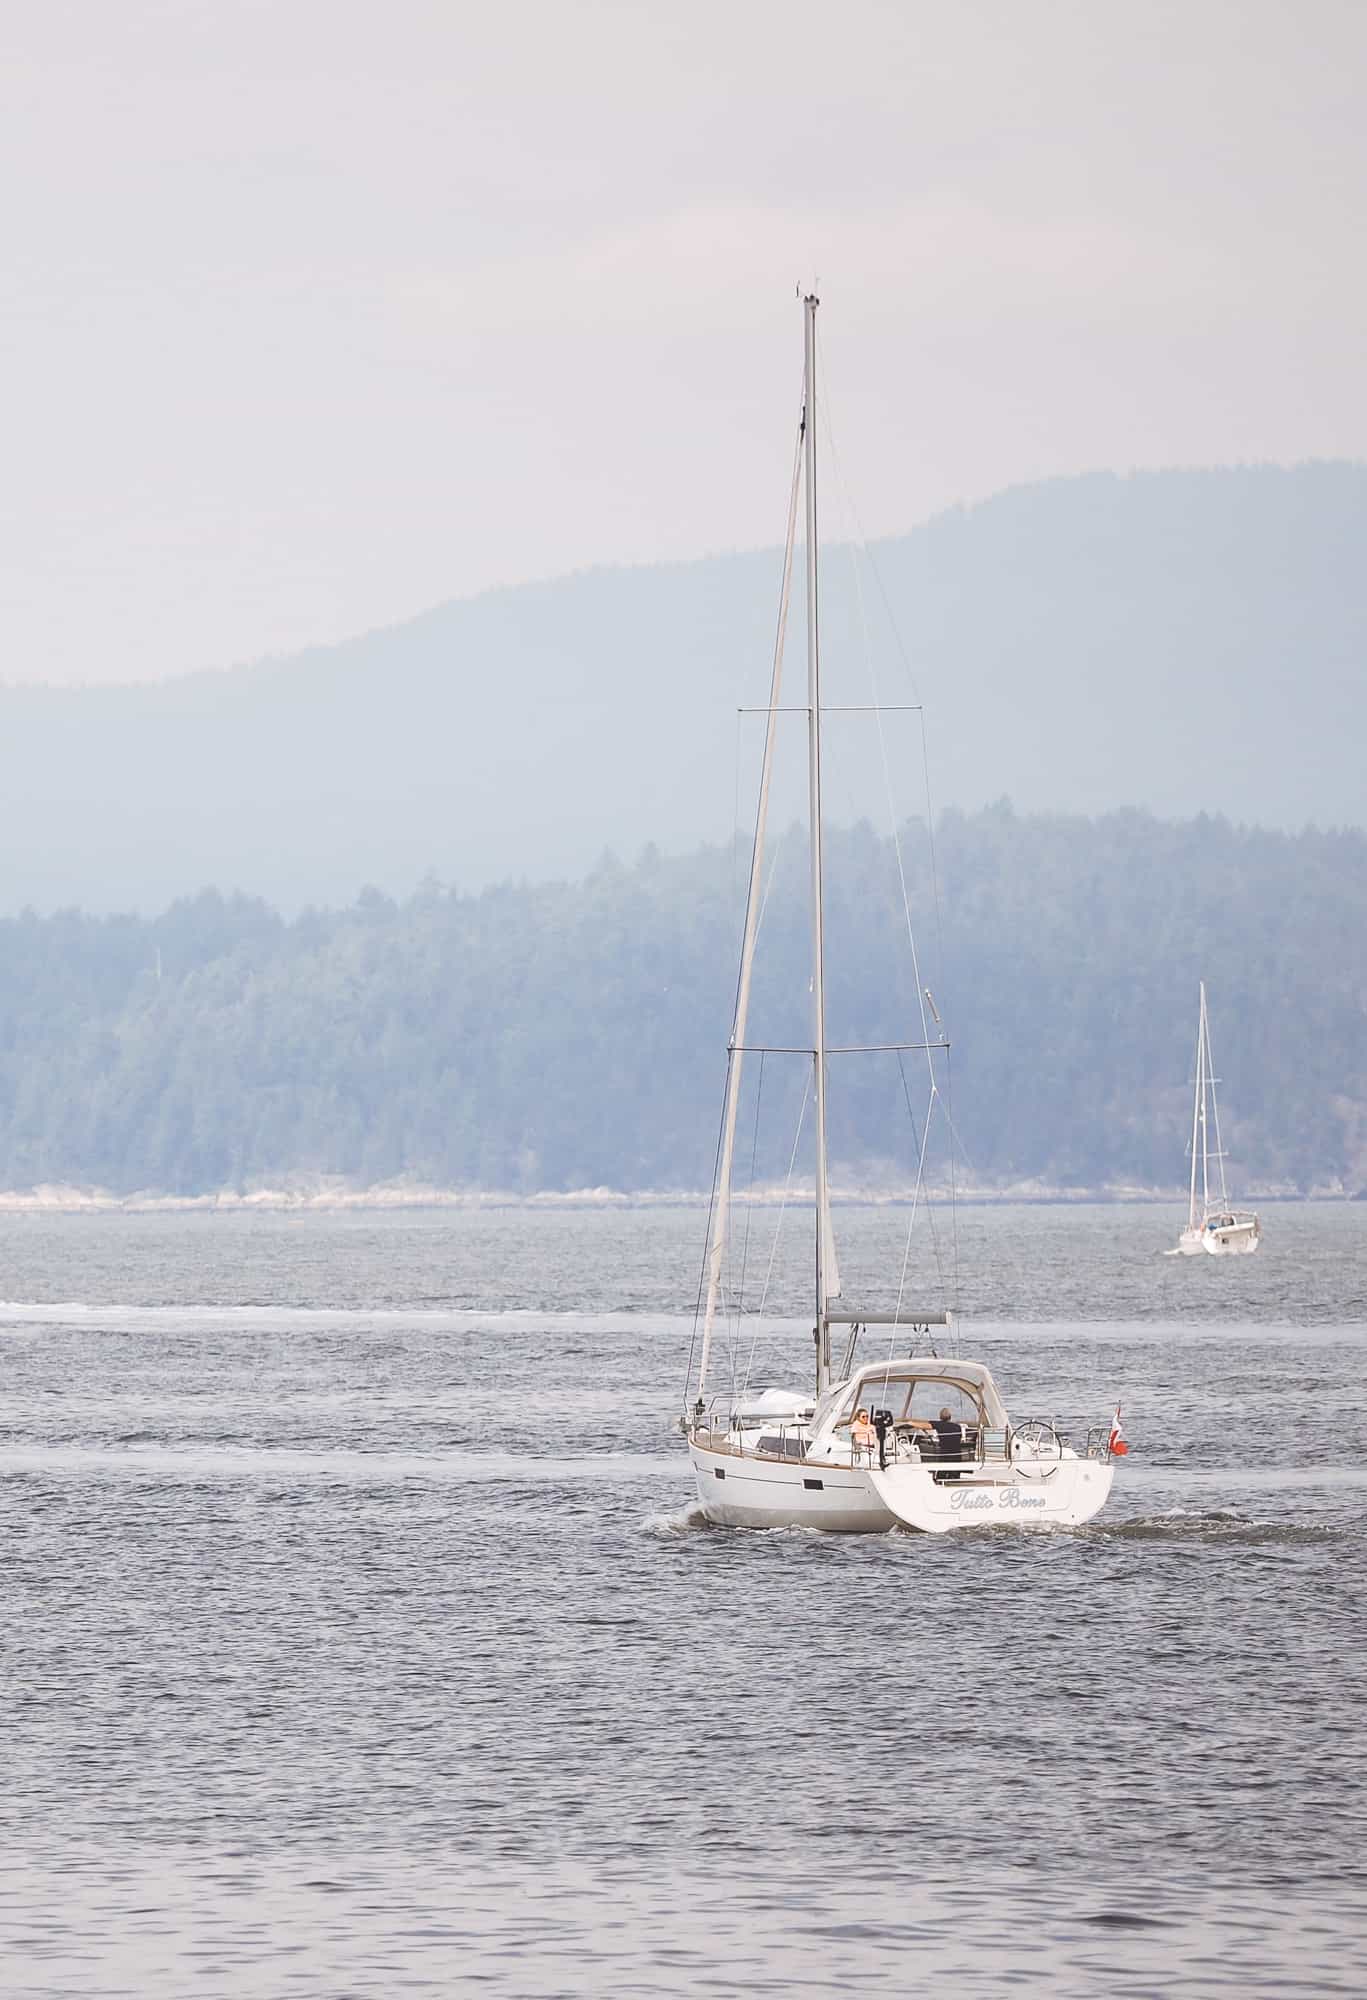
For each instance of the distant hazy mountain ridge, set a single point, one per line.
(562, 1036)
(1177, 640)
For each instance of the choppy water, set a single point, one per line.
(359, 1636)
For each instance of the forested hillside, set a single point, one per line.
(1175, 640)
(570, 1035)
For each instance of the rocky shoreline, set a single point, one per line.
(327, 1197)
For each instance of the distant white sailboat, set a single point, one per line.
(1213, 1227)
(863, 1449)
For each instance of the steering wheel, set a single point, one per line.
(1037, 1441)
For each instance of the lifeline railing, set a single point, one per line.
(982, 1445)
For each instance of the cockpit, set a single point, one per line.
(945, 1413)
(919, 1409)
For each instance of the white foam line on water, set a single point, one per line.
(73, 1312)
(113, 1317)
(156, 1462)
(219, 1318)
(159, 1462)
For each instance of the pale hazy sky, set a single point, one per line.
(320, 311)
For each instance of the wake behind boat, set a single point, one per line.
(1213, 1227)
(919, 1439)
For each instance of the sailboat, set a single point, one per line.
(1213, 1227)
(911, 1437)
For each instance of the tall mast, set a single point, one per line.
(823, 1331)
(1205, 1130)
(1198, 1105)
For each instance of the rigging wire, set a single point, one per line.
(779, 636)
(859, 545)
(778, 1226)
(735, 820)
(953, 1190)
(707, 1240)
(940, 970)
(749, 1209)
(922, 1140)
(720, 1211)
(1212, 1079)
(856, 546)
(947, 1097)
(775, 857)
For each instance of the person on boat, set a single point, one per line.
(863, 1436)
(949, 1434)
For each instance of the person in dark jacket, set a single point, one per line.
(949, 1435)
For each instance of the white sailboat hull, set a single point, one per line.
(1240, 1241)
(741, 1491)
(1236, 1239)
(738, 1490)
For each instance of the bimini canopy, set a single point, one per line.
(970, 1376)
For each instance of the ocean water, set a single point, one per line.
(361, 1637)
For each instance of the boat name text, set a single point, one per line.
(965, 1501)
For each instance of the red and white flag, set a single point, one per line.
(1116, 1444)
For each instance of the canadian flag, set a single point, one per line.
(1116, 1444)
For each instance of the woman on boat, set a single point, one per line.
(863, 1436)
